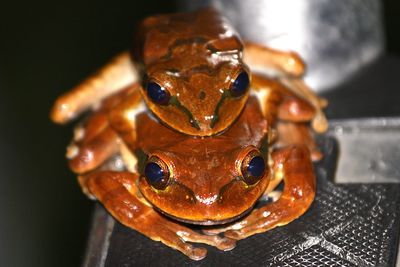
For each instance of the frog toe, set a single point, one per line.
(197, 253)
(233, 234)
(226, 244)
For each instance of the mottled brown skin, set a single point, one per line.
(196, 56)
(206, 183)
(203, 59)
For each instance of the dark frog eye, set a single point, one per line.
(253, 167)
(240, 84)
(157, 173)
(157, 93)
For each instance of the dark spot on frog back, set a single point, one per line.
(202, 95)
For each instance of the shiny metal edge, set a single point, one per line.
(340, 127)
(398, 257)
(369, 149)
(364, 123)
(99, 238)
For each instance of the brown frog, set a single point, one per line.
(201, 138)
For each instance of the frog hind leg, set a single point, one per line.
(279, 62)
(319, 122)
(99, 138)
(118, 192)
(294, 165)
(289, 112)
(297, 134)
(294, 115)
(111, 78)
(288, 68)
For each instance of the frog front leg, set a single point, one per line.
(294, 165)
(95, 140)
(118, 192)
(91, 147)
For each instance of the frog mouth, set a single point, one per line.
(205, 222)
(179, 202)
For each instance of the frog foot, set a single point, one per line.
(118, 193)
(294, 164)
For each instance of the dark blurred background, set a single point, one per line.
(46, 48)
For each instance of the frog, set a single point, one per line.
(180, 131)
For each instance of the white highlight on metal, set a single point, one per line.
(362, 160)
(335, 38)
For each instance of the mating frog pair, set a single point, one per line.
(201, 138)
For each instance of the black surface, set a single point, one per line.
(373, 92)
(46, 47)
(347, 225)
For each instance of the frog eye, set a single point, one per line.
(253, 167)
(157, 93)
(157, 173)
(240, 84)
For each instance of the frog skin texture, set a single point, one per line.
(180, 130)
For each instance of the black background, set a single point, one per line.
(45, 48)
